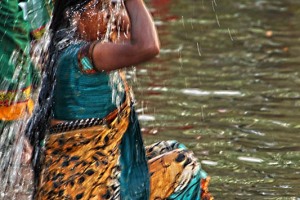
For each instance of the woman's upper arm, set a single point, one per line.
(142, 45)
(110, 56)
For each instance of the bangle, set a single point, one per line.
(85, 59)
(91, 51)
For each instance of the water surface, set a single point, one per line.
(226, 84)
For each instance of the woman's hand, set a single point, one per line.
(121, 28)
(27, 152)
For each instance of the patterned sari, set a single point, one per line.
(83, 160)
(95, 158)
(18, 79)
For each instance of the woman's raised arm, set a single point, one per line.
(142, 45)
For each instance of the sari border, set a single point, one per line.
(90, 122)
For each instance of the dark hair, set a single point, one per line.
(60, 7)
(39, 121)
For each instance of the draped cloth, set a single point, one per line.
(86, 159)
(176, 173)
(39, 12)
(101, 155)
(18, 79)
(17, 74)
(85, 164)
(16, 71)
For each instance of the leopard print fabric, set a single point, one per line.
(174, 172)
(83, 164)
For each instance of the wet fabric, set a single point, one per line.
(17, 81)
(17, 74)
(15, 176)
(176, 173)
(10, 110)
(16, 69)
(84, 163)
(38, 15)
(97, 163)
(166, 170)
(80, 95)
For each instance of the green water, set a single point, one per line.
(226, 84)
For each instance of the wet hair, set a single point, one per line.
(40, 119)
(60, 7)
(39, 122)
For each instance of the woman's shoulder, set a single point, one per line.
(69, 54)
(72, 48)
(70, 62)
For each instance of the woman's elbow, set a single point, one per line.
(153, 50)
(156, 49)
(146, 51)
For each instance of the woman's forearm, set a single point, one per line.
(143, 31)
(142, 45)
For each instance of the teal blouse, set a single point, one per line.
(78, 95)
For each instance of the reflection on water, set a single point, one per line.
(227, 84)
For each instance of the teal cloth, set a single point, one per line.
(78, 95)
(135, 178)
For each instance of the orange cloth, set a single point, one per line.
(11, 110)
(16, 111)
(38, 33)
(205, 195)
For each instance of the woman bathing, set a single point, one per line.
(86, 131)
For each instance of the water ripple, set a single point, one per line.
(198, 92)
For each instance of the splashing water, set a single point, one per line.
(16, 177)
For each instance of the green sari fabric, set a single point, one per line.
(15, 66)
(38, 14)
(16, 70)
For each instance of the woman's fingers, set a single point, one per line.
(27, 152)
(122, 20)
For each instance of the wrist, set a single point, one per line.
(85, 58)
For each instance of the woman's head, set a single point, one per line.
(101, 18)
(60, 7)
(90, 18)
